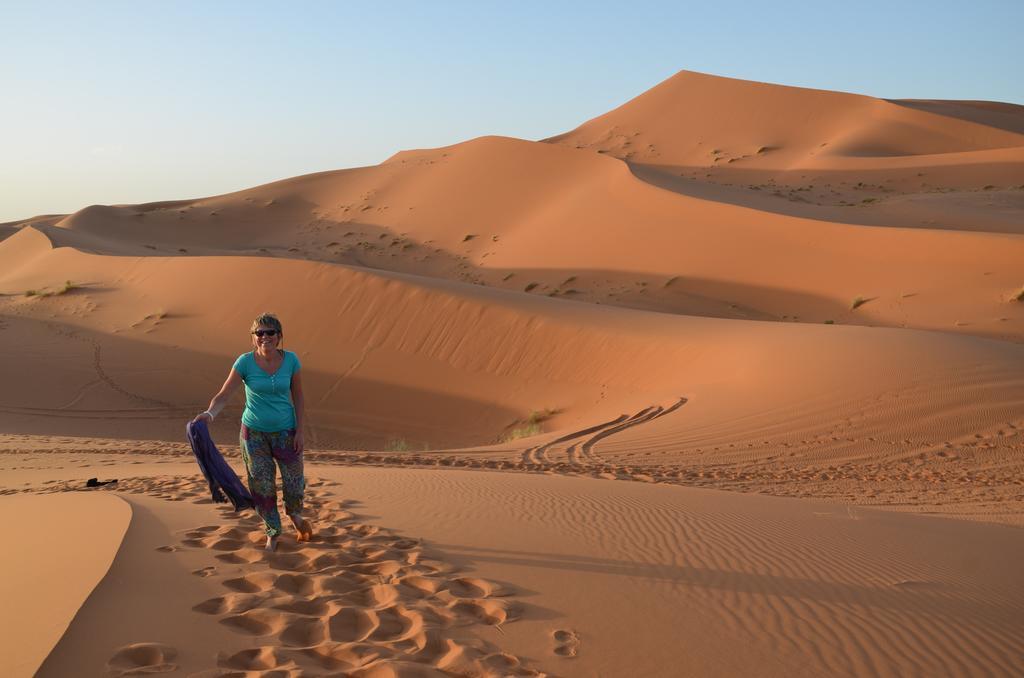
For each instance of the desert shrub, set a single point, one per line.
(67, 287)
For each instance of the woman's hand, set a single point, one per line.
(299, 443)
(203, 416)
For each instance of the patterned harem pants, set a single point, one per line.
(261, 450)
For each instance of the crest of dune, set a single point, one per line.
(683, 119)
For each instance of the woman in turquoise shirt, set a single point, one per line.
(271, 434)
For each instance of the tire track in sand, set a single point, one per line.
(583, 453)
(538, 455)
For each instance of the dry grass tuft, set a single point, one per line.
(531, 426)
(67, 287)
(397, 445)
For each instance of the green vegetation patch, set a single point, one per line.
(67, 287)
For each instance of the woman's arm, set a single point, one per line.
(231, 385)
(299, 403)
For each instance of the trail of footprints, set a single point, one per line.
(356, 601)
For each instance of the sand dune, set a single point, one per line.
(534, 575)
(471, 362)
(718, 285)
(40, 588)
(696, 119)
(631, 230)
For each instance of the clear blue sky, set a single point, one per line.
(112, 102)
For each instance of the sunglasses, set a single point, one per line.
(265, 333)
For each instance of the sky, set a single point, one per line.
(127, 102)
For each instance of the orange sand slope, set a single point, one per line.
(534, 575)
(413, 364)
(64, 547)
(688, 199)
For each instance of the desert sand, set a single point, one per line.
(47, 580)
(726, 381)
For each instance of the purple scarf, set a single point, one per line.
(215, 469)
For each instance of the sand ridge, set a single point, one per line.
(40, 595)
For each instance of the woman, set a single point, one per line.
(271, 425)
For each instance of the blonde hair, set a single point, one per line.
(267, 320)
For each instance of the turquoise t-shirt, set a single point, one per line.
(268, 397)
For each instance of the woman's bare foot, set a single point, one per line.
(302, 526)
(271, 543)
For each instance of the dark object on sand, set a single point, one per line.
(218, 474)
(96, 482)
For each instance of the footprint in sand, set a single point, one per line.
(256, 622)
(240, 557)
(251, 583)
(141, 658)
(567, 643)
(232, 602)
(256, 659)
(484, 611)
(468, 587)
(304, 632)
